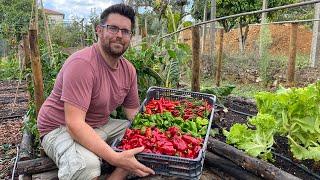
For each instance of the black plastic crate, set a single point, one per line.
(185, 168)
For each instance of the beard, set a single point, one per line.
(115, 49)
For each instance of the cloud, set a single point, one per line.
(78, 8)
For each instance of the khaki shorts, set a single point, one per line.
(73, 160)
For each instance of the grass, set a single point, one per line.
(247, 90)
(243, 90)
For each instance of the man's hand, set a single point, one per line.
(127, 161)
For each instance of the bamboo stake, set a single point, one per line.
(48, 37)
(36, 67)
(213, 29)
(204, 27)
(263, 20)
(82, 33)
(195, 83)
(292, 54)
(36, 12)
(315, 45)
(219, 58)
(94, 37)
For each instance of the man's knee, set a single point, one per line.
(91, 164)
(91, 170)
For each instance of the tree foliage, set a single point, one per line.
(15, 16)
(230, 7)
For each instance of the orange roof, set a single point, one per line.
(52, 12)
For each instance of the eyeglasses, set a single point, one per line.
(115, 29)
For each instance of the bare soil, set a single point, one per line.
(13, 107)
(280, 39)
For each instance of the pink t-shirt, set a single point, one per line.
(89, 83)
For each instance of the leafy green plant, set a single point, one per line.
(255, 142)
(293, 113)
(31, 124)
(297, 112)
(9, 69)
(159, 64)
(219, 91)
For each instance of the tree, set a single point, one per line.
(230, 7)
(15, 17)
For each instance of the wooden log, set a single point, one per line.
(219, 58)
(228, 167)
(24, 177)
(195, 83)
(36, 67)
(25, 152)
(35, 166)
(52, 175)
(292, 54)
(44, 164)
(253, 165)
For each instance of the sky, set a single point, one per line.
(78, 8)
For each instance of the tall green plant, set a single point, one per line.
(265, 57)
(159, 64)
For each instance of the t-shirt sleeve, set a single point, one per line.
(132, 99)
(77, 84)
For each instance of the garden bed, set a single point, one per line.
(13, 106)
(239, 110)
(218, 166)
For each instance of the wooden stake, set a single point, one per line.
(195, 83)
(36, 68)
(219, 58)
(292, 54)
(26, 48)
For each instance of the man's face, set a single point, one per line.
(115, 35)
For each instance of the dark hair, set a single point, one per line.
(121, 9)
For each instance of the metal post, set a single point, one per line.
(315, 47)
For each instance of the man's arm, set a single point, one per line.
(84, 134)
(130, 112)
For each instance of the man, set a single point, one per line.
(74, 121)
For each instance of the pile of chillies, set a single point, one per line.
(168, 127)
